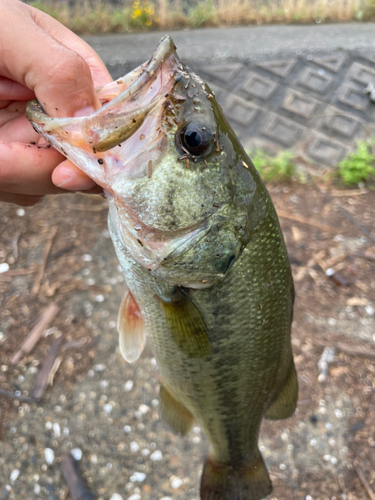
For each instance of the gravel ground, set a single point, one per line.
(105, 411)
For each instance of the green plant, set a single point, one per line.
(274, 168)
(358, 166)
(368, 13)
(143, 14)
(201, 14)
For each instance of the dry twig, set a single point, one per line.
(35, 334)
(73, 478)
(302, 220)
(367, 487)
(42, 268)
(48, 369)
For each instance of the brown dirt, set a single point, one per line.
(335, 414)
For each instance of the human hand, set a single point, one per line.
(41, 58)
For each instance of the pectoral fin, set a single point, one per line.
(174, 413)
(187, 325)
(285, 403)
(130, 326)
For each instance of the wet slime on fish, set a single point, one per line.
(205, 264)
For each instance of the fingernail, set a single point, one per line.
(77, 183)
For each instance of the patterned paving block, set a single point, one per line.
(340, 123)
(353, 97)
(257, 86)
(281, 68)
(362, 74)
(332, 62)
(299, 104)
(224, 73)
(240, 111)
(316, 80)
(326, 151)
(282, 130)
(368, 55)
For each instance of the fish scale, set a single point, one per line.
(206, 268)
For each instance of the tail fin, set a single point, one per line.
(225, 482)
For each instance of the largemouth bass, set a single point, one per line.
(206, 268)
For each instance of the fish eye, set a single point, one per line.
(196, 138)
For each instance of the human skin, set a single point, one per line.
(40, 58)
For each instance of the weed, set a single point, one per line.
(359, 166)
(101, 16)
(274, 168)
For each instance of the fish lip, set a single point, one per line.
(36, 114)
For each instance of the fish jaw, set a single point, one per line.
(117, 142)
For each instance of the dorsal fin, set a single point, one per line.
(130, 325)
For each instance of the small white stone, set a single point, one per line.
(116, 496)
(338, 413)
(308, 497)
(136, 496)
(137, 477)
(128, 385)
(157, 455)
(14, 475)
(56, 429)
(143, 409)
(145, 452)
(76, 453)
(103, 384)
(282, 466)
(2, 335)
(48, 425)
(328, 426)
(176, 482)
(4, 267)
(94, 459)
(327, 458)
(333, 460)
(87, 257)
(49, 456)
(369, 310)
(36, 489)
(99, 367)
(155, 403)
(20, 212)
(99, 298)
(66, 431)
(166, 498)
(196, 439)
(262, 448)
(108, 408)
(196, 430)
(134, 446)
(127, 429)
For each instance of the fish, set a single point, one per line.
(208, 280)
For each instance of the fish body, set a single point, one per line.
(205, 264)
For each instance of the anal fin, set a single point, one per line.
(131, 328)
(174, 413)
(228, 482)
(285, 403)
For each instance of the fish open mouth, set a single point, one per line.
(124, 135)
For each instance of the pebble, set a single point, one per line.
(99, 367)
(14, 475)
(49, 425)
(108, 408)
(327, 458)
(127, 429)
(128, 385)
(282, 466)
(4, 267)
(104, 383)
(20, 212)
(157, 455)
(116, 496)
(76, 453)
(49, 456)
(99, 298)
(2, 335)
(143, 409)
(137, 477)
(135, 497)
(94, 459)
(145, 452)
(36, 489)
(87, 257)
(176, 482)
(166, 498)
(56, 429)
(134, 446)
(369, 310)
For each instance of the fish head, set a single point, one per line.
(181, 190)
